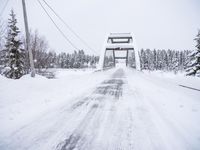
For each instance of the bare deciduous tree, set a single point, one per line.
(39, 47)
(2, 33)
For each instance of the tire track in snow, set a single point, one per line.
(77, 137)
(82, 137)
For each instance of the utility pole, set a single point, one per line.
(28, 40)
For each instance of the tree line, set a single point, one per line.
(167, 60)
(14, 60)
(171, 60)
(46, 58)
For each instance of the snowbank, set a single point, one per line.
(27, 98)
(179, 79)
(171, 106)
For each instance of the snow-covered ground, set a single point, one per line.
(23, 100)
(115, 109)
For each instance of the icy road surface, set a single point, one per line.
(128, 111)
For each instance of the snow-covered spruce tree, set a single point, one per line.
(193, 66)
(14, 67)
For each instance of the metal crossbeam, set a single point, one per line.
(119, 49)
(120, 57)
(118, 37)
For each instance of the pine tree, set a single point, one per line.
(14, 67)
(194, 62)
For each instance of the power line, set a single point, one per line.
(2, 11)
(57, 26)
(69, 27)
(3, 26)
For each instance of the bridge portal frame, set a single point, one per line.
(119, 42)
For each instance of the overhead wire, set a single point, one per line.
(63, 21)
(4, 7)
(65, 37)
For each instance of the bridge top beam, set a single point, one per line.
(119, 49)
(120, 35)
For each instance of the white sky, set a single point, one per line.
(159, 24)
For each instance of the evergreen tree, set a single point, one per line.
(170, 60)
(175, 62)
(155, 59)
(142, 59)
(14, 66)
(194, 62)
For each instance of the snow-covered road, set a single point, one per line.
(128, 110)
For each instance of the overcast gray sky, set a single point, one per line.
(159, 24)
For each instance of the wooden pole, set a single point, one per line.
(28, 39)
